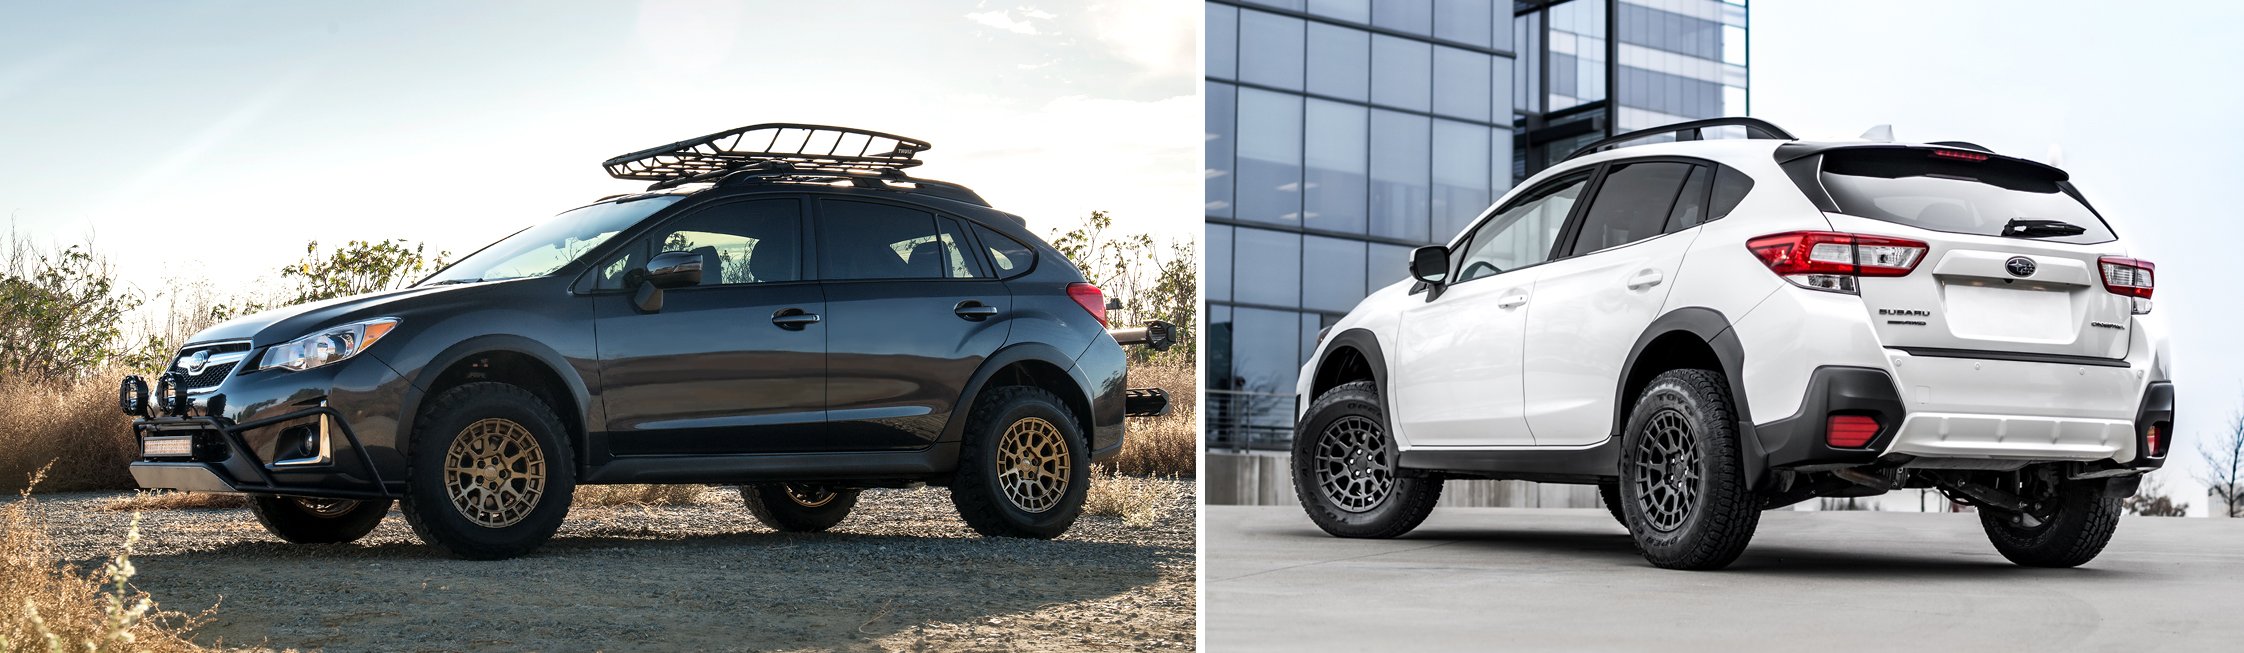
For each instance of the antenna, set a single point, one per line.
(1880, 133)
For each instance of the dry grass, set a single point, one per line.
(1138, 500)
(72, 426)
(150, 500)
(55, 608)
(641, 495)
(1168, 445)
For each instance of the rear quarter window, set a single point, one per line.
(1911, 186)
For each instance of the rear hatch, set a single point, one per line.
(2013, 261)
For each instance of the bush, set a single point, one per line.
(1168, 445)
(70, 424)
(1140, 501)
(51, 607)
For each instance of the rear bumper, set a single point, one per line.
(1907, 432)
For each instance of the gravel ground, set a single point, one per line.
(903, 573)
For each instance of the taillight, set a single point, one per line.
(2126, 276)
(1850, 431)
(1090, 298)
(1831, 261)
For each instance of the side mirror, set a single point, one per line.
(674, 270)
(1430, 264)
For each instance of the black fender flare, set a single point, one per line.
(1002, 358)
(1365, 343)
(1714, 330)
(416, 391)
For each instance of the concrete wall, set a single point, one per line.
(1262, 478)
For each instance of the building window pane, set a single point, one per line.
(1500, 85)
(1332, 273)
(1414, 16)
(1270, 49)
(1461, 83)
(1266, 268)
(1386, 264)
(1460, 176)
(1265, 361)
(1399, 160)
(1337, 166)
(1339, 62)
(1219, 262)
(1269, 187)
(1405, 76)
(1467, 21)
(1500, 167)
(1223, 100)
(1351, 10)
(1223, 41)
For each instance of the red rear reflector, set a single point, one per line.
(2151, 442)
(1851, 431)
(1960, 155)
(1090, 298)
(2126, 276)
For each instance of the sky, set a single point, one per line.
(2138, 105)
(213, 139)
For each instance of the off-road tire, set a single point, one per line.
(290, 519)
(1712, 529)
(975, 489)
(780, 509)
(1609, 493)
(1404, 506)
(2084, 523)
(427, 506)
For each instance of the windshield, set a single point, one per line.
(543, 249)
(1993, 197)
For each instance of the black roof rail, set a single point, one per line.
(788, 148)
(1755, 128)
(785, 173)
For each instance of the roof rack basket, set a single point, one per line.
(1755, 128)
(779, 148)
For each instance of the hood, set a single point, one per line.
(291, 322)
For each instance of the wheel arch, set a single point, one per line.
(1031, 364)
(514, 360)
(1691, 338)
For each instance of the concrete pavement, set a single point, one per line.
(1508, 579)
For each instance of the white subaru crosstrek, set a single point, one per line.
(1711, 328)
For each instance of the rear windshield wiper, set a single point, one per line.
(2028, 228)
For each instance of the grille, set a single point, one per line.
(224, 358)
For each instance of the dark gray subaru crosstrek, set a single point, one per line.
(783, 309)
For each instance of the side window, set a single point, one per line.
(1690, 205)
(739, 243)
(1730, 187)
(1009, 256)
(1521, 235)
(955, 252)
(1631, 205)
(864, 240)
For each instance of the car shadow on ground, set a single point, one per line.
(1610, 547)
(723, 591)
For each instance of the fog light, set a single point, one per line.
(1850, 431)
(132, 396)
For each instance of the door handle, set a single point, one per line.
(1644, 279)
(793, 319)
(1512, 301)
(974, 311)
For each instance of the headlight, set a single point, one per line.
(327, 346)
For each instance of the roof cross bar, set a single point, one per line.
(1755, 128)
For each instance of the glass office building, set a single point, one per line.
(1343, 133)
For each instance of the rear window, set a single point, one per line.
(1914, 187)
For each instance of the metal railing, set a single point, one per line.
(1242, 420)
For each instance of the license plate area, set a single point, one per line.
(1985, 312)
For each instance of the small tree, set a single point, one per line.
(61, 313)
(1154, 281)
(357, 268)
(2224, 462)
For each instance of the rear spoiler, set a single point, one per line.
(1797, 150)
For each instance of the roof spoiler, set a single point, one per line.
(1755, 128)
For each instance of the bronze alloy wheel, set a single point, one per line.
(1032, 464)
(810, 496)
(494, 472)
(329, 508)
(1354, 467)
